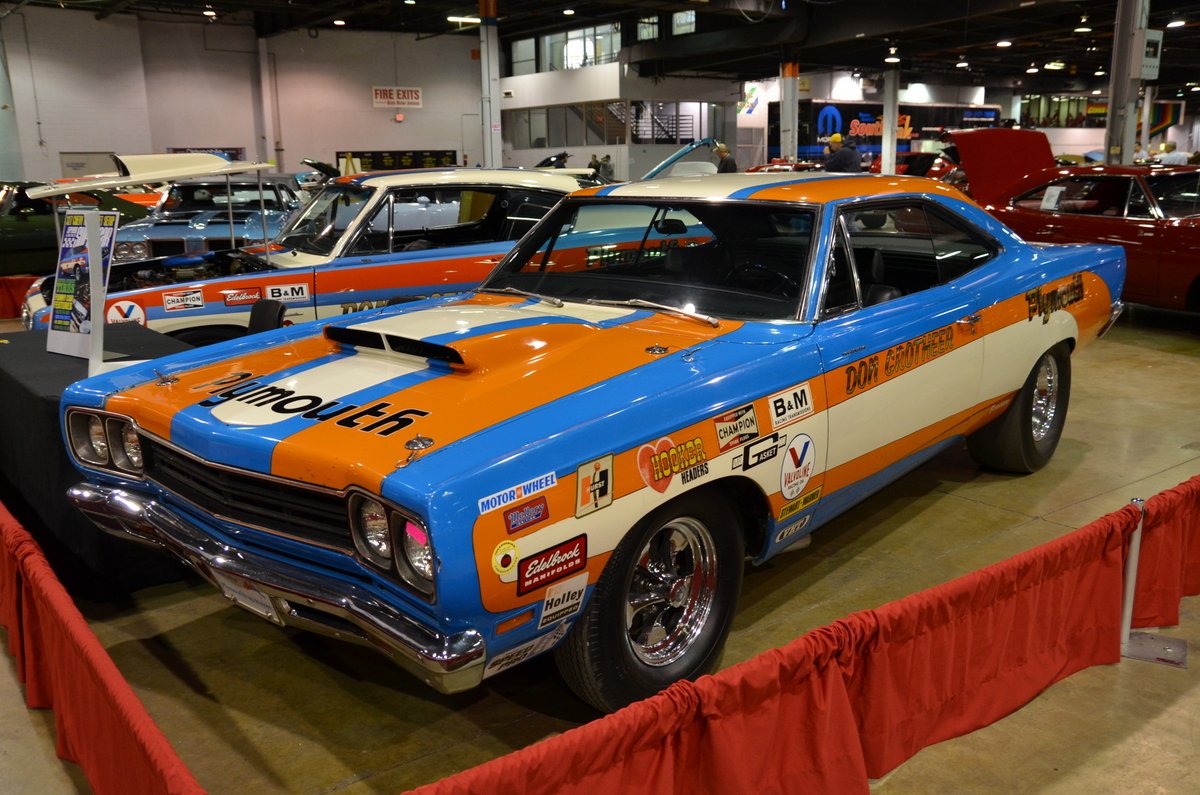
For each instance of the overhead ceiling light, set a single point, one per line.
(1095, 92)
(568, 11)
(1176, 23)
(1083, 26)
(1032, 70)
(891, 56)
(1100, 73)
(208, 12)
(1054, 66)
(962, 64)
(1004, 43)
(410, 2)
(1195, 88)
(339, 22)
(464, 20)
(856, 74)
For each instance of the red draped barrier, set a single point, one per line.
(862, 695)
(99, 721)
(12, 294)
(1169, 563)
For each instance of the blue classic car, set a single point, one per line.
(661, 380)
(200, 215)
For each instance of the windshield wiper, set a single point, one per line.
(556, 302)
(674, 310)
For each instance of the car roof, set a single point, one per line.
(509, 177)
(812, 187)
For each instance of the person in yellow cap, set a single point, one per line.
(725, 162)
(841, 157)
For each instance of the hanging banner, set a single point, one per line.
(85, 252)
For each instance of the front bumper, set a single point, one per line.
(291, 596)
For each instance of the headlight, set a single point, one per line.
(105, 441)
(379, 530)
(372, 530)
(98, 440)
(125, 445)
(127, 252)
(417, 550)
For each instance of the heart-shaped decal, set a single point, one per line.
(657, 476)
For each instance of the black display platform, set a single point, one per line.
(37, 471)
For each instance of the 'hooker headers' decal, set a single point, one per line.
(376, 418)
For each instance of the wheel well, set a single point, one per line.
(1192, 303)
(750, 504)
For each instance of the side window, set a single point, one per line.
(1080, 196)
(523, 210)
(897, 249)
(1178, 195)
(1139, 203)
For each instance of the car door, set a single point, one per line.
(1096, 208)
(27, 239)
(422, 242)
(1176, 281)
(898, 338)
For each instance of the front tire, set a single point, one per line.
(663, 605)
(1024, 438)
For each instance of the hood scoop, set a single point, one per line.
(374, 340)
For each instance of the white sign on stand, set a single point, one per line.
(80, 285)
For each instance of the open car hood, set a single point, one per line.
(997, 158)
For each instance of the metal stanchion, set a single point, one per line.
(1145, 646)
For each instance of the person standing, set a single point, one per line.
(1170, 157)
(842, 158)
(606, 168)
(594, 164)
(725, 162)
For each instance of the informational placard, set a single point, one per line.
(395, 97)
(398, 158)
(85, 252)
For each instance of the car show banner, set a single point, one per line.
(85, 252)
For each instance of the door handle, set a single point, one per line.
(970, 322)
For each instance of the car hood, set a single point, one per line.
(996, 159)
(336, 406)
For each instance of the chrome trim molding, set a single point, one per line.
(449, 663)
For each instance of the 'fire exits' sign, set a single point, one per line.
(396, 97)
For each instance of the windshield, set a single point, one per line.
(185, 198)
(1178, 195)
(318, 227)
(738, 260)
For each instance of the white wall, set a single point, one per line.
(10, 136)
(130, 86)
(77, 87)
(200, 83)
(324, 90)
(1074, 140)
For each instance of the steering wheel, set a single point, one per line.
(758, 277)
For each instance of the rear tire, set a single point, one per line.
(663, 605)
(1024, 438)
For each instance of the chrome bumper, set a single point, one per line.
(290, 596)
(1117, 308)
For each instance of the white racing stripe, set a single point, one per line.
(328, 382)
(463, 318)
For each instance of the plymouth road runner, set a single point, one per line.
(661, 380)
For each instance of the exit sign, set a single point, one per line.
(395, 97)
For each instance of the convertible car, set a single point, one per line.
(1153, 211)
(661, 380)
(362, 241)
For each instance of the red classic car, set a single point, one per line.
(1153, 211)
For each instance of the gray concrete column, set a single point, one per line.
(891, 115)
(489, 66)
(789, 110)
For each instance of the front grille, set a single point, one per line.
(244, 498)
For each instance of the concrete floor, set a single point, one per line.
(252, 708)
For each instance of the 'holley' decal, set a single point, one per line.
(376, 418)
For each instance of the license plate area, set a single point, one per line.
(245, 594)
